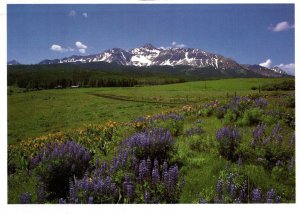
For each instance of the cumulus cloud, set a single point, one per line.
(85, 15)
(289, 68)
(80, 45)
(72, 13)
(267, 63)
(58, 48)
(281, 26)
(177, 45)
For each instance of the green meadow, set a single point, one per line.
(201, 162)
(36, 113)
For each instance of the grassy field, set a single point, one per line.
(38, 113)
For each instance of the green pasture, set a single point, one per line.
(37, 113)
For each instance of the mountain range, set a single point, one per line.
(13, 62)
(148, 56)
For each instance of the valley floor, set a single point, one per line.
(102, 119)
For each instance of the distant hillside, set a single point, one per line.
(102, 74)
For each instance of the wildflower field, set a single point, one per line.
(219, 141)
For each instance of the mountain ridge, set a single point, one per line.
(149, 55)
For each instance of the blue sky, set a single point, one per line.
(250, 34)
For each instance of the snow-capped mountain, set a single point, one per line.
(148, 55)
(263, 70)
(279, 70)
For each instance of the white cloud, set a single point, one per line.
(72, 13)
(289, 68)
(58, 48)
(80, 45)
(81, 51)
(267, 63)
(85, 15)
(176, 45)
(281, 26)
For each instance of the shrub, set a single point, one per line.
(251, 117)
(285, 85)
(144, 182)
(25, 198)
(205, 112)
(230, 117)
(228, 139)
(156, 143)
(172, 122)
(271, 147)
(96, 137)
(220, 112)
(199, 143)
(269, 119)
(57, 164)
(260, 103)
(233, 187)
(290, 101)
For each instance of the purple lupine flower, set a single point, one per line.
(233, 190)
(260, 102)
(266, 140)
(128, 188)
(25, 198)
(271, 194)
(165, 117)
(130, 191)
(279, 163)
(151, 143)
(258, 134)
(193, 131)
(62, 201)
(229, 181)
(143, 170)
(227, 134)
(277, 199)
(41, 194)
(72, 192)
(256, 195)
(147, 197)
(165, 166)
(155, 176)
(174, 173)
(90, 200)
(276, 130)
(156, 164)
(243, 192)
(219, 187)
